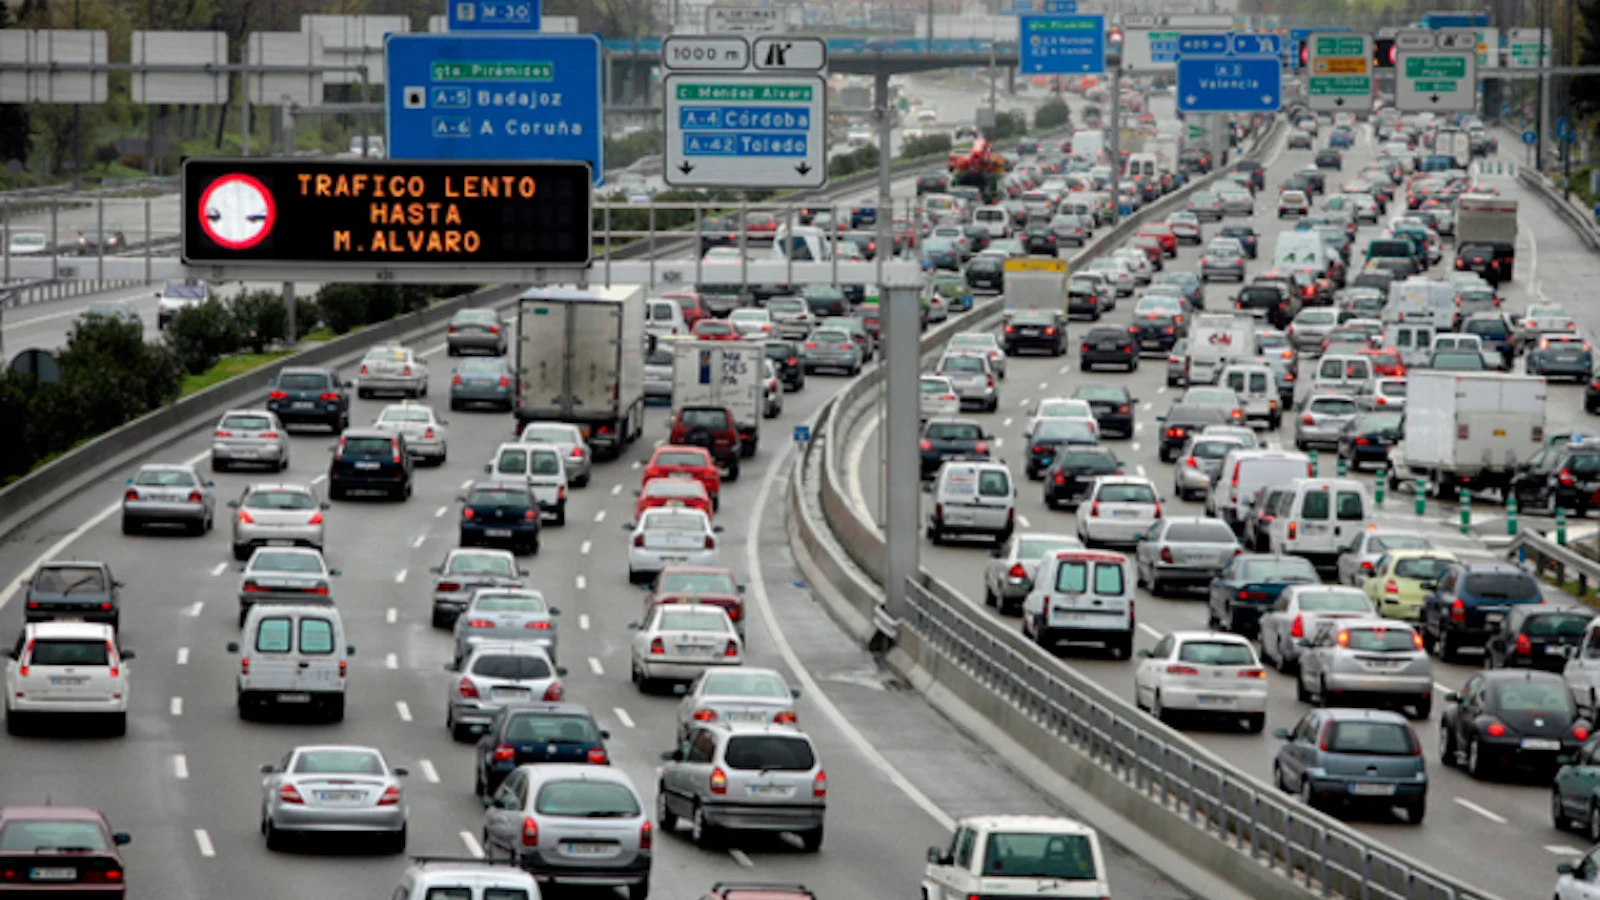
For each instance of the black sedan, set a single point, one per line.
(1183, 420)
(788, 358)
(1329, 158)
(1157, 323)
(500, 514)
(1511, 719)
(933, 183)
(825, 300)
(1368, 437)
(1073, 472)
(944, 439)
(1040, 239)
(1051, 437)
(987, 272)
(1112, 405)
(537, 733)
(1035, 329)
(1108, 345)
(1538, 636)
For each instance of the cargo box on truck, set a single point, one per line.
(727, 374)
(1470, 429)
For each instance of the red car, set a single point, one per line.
(1163, 233)
(59, 851)
(674, 490)
(694, 308)
(709, 329)
(699, 584)
(1386, 362)
(696, 462)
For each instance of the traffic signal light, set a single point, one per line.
(1383, 54)
(1303, 52)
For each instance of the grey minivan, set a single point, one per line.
(738, 777)
(1348, 757)
(572, 824)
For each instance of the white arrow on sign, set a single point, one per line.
(1191, 99)
(1266, 99)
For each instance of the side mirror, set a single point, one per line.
(129, 656)
(996, 552)
(1143, 654)
(489, 468)
(936, 856)
(434, 569)
(1452, 696)
(562, 671)
(1161, 418)
(628, 526)
(268, 768)
(739, 588)
(122, 838)
(716, 529)
(234, 504)
(554, 610)
(451, 667)
(334, 572)
(211, 484)
(637, 493)
(349, 649)
(1281, 734)
(927, 487)
(401, 771)
(1564, 868)
(794, 693)
(233, 647)
(460, 499)
(326, 506)
(671, 755)
(1303, 642)
(634, 626)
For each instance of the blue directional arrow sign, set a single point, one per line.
(1229, 84)
(488, 97)
(493, 15)
(1062, 45)
(1203, 44)
(1251, 44)
(1061, 7)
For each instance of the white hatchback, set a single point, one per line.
(67, 667)
(1202, 672)
(1117, 510)
(667, 536)
(937, 398)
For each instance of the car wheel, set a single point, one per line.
(639, 890)
(1594, 824)
(1277, 778)
(666, 819)
(395, 844)
(129, 526)
(989, 599)
(1558, 813)
(701, 831)
(1475, 766)
(811, 841)
(277, 841)
(1157, 710)
(1416, 810)
(334, 709)
(15, 722)
(1255, 722)
(1306, 795)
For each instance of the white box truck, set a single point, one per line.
(580, 359)
(1036, 283)
(721, 373)
(1485, 219)
(1470, 429)
(1216, 339)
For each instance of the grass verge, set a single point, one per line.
(228, 367)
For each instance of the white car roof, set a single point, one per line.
(69, 628)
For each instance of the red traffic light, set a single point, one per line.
(1305, 54)
(1383, 53)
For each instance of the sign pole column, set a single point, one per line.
(288, 304)
(880, 109)
(1115, 143)
(900, 307)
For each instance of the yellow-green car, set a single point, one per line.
(1395, 587)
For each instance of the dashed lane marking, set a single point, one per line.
(195, 609)
(429, 773)
(1044, 385)
(1147, 404)
(623, 717)
(320, 478)
(439, 513)
(404, 710)
(741, 858)
(583, 622)
(1023, 521)
(596, 667)
(183, 656)
(1006, 423)
(1562, 850)
(400, 577)
(636, 465)
(1149, 630)
(1487, 814)
(601, 515)
(391, 615)
(466, 484)
(175, 707)
(203, 841)
(581, 582)
(418, 542)
(616, 490)
(584, 548)
(474, 849)
(999, 442)
(180, 766)
(1140, 470)
(391, 661)
(218, 569)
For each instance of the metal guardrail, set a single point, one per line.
(1551, 557)
(1582, 223)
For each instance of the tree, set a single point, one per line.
(1585, 89)
(14, 126)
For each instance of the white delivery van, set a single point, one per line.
(663, 317)
(1470, 429)
(1257, 389)
(803, 243)
(1321, 518)
(1422, 300)
(1301, 250)
(1088, 144)
(1340, 373)
(1245, 472)
(973, 498)
(1082, 596)
(292, 655)
(1413, 341)
(542, 467)
(1216, 339)
(1017, 855)
(995, 219)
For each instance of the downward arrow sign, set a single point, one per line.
(803, 168)
(686, 168)
(1338, 101)
(1434, 99)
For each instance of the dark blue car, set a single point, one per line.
(944, 439)
(1250, 585)
(537, 733)
(500, 514)
(1468, 603)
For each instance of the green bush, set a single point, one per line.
(260, 318)
(200, 335)
(307, 316)
(1054, 114)
(851, 162)
(623, 152)
(928, 145)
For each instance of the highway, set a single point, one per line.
(185, 780)
(1466, 816)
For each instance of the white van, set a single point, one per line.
(1082, 596)
(1141, 165)
(803, 243)
(543, 467)
(1422, 300)
(1297, 250)
(1413, 341)
(973, 498)
(292, 655)
(1341, 373)
(1320, 518)
(664, 318)
(1088, 144)
(1244, 473)
(1028, 856)
(1257, 389)
(995, 219)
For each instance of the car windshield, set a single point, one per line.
(476, 317)
(33, 835)
(51, 652)
(385, 354)
(697, 583)
(245, 423)
(550, 728)
(745, 684)
(786, 306)
(1490, 586)
(674, 487)
(302, 381)
(586, 799)
(1398, 542)
(1556, 624)
(1379, 422)
(1371, 739)
(670, 520)
(1585, 464)
(499, 497)
(1099, 392)
(1333, 406)
(183, 291)
(1216, 653)
(934, 386)
(691, 620)
(1018, 855)
(1380, 639)
(962, 364)
(480, 564)
(164, 478)
(512, 666)
(279, 500)
(769, 753)
(1333, 601)
(1283, 569)
(511, 603)
(338, 762)
(1201, 532)
(1531, 696)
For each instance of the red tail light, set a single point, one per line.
(467, 689)
(705, 715)
(1308, 419)
(1191, 462)
(1524, 646)
(363, 370)
(1094, 508)
(1252, 673)
(481, 623)
(981, 447)
(328, 395)
(732, 649)
(711, 542)
(1495, 729)
(288, 793)
(719, 781)
(1060, 478)
(638, 540)
(1458, 611)
(96, 876)
(277, 395)
(554, 692)
(1017, 571)
(1182, 670)
(406, 372)
(1580, 732)
(530, 832)
(1158, 511)
(1166, 555)
(244, 666)
(391, 796)
(785, 718)
(448, 586)
(130, 494)
(1294, 530)
(1565, 477)
(111, 655)
(1298, 629)
(656, 647)
(467, 513)
(819, 784)
(223, 434)
(455, 380)
(925, 444)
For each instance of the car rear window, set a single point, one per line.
(1556, 625)
(550, 728)
(688, 620)
(1072, 577)
(1334, 601)
(465, 893)
(1382, 639)
(34, 835)
(691, 460)
(1065, 856)
(164, 478)
(1127, 493)
(316, 636)
(279, 500)
(1532, 696)
(1333, 406)
(479, 564)
(1285, 569)
(61, 652)
(954, 431)
(302, 381)
(511, 666)
(1216, 653)
(245, 423)
(1425, 568)
(697, 583)
(714, 419)
(769, 753)
(994, 483)
(543, 462)
(1371, 739)
(1212, 449)
(515, 603)
(1499, 586)
(1200, 533)
(587, 800)
(745, 684)
(500, 498)
(1090, 463)
(272, 635)
(367, 446)
(1585, 464)
(298, 563)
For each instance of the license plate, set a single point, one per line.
(692, 650)
(367, 465)
(304, 404)
(498, 532)
(1493, 618)
(280, 542)
(294, 698)
(67, 680)
(1540, 744)
(1213, 700)
(956, 518)
(769, 790)
(573, 848)
(1372, 790)
(1555, 649)
(1030, 331)
(1316, 529)
(340, 796)
(510, 694)
(1071, 618)
(1123, 514)
(62, 874)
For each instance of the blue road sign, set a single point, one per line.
(802, 434)
(1062, 45)
(1300, 34)
(1530, 137)
(483, 97)
(1229, 84)
(1061, 7)
(1561, 127)
(493, 15)
(1202, 45)
(1455, 20)
(1250, 44)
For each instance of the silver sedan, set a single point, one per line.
(426, 434)
(1185, 550)
(168, 494)
(1358, 563)
(253, 436)
(506, 614)
(1009, 575)
(273, 515)
(390, 368)
(758, 696)
(478, 331)
(1322, 417)
(1368, 663)
(285, 573)
(575, 454)
(1296, 614)
(344, 789)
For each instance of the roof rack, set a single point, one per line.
(472, 860)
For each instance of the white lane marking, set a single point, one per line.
(195, 608)
(581, 582)
(616, 490)
(431, 351)
(320, 478)
(999, 442)
(741, 858)
(808, 684)
(622, 716)
(1562, 850)
(853, 457)
(1006, 423)
(1161, 389)
(660, 441)
(1135, 446)
(180, 766)
(1140, 470)
(1146, 405)
(203, 841)
(418, 542)
(584, 548)
(391, 615)
(71, 536)
(1023, 521)
(404, 710)
(1023, 403)
(466, 484)
(400, 577)
(391, 661)
(1065, 369)
(583, 621)
(1138, 427)
(1442, 688)
(474, 849)
(218, 569)
(439, 513)
(1150, 631)
(595, 667)
(636, 465)
(1487, 814)
(183, 656)
(176, 706)
(1044, 385)
(428, 771)
(601, 515)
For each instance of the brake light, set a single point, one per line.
(448, 586)
(363, 370)
(1294, 530)
(638, 540)
(732, 649)
(277, 395)
(391, 796)
(130, 494)
(111, 654)
(719, 781)
(1307, 419)
(1495, 729)
(925, 444)
(787, 717)
(481, 623)
(1565, 477)
(406, 372)
(467, 689)
(554, 692)
(530, 832)
(244, 516)
(244, 666)
(1158, 511)
(981, 447)
(1458, 611)
(455, 380)
(1252, 673)
(705, 715)
(1524, 646)
(1166, 555)
(1298, 629)
(328, 395)
(1580, 732)
(1182, 670)
(656, 647)
(288, 793)
(223, 434)
(819, 784)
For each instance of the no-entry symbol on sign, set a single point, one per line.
(237, 212)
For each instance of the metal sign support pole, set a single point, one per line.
(1115, 143)
(902, 473)
(289, 303)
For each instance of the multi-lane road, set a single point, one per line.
(1467, 816)
(185, 780)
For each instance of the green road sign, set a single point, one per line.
(1196, 132)
(1339, 85)
(904, 104)
(1440, 87)
(1436, 67)
(1335, 45)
